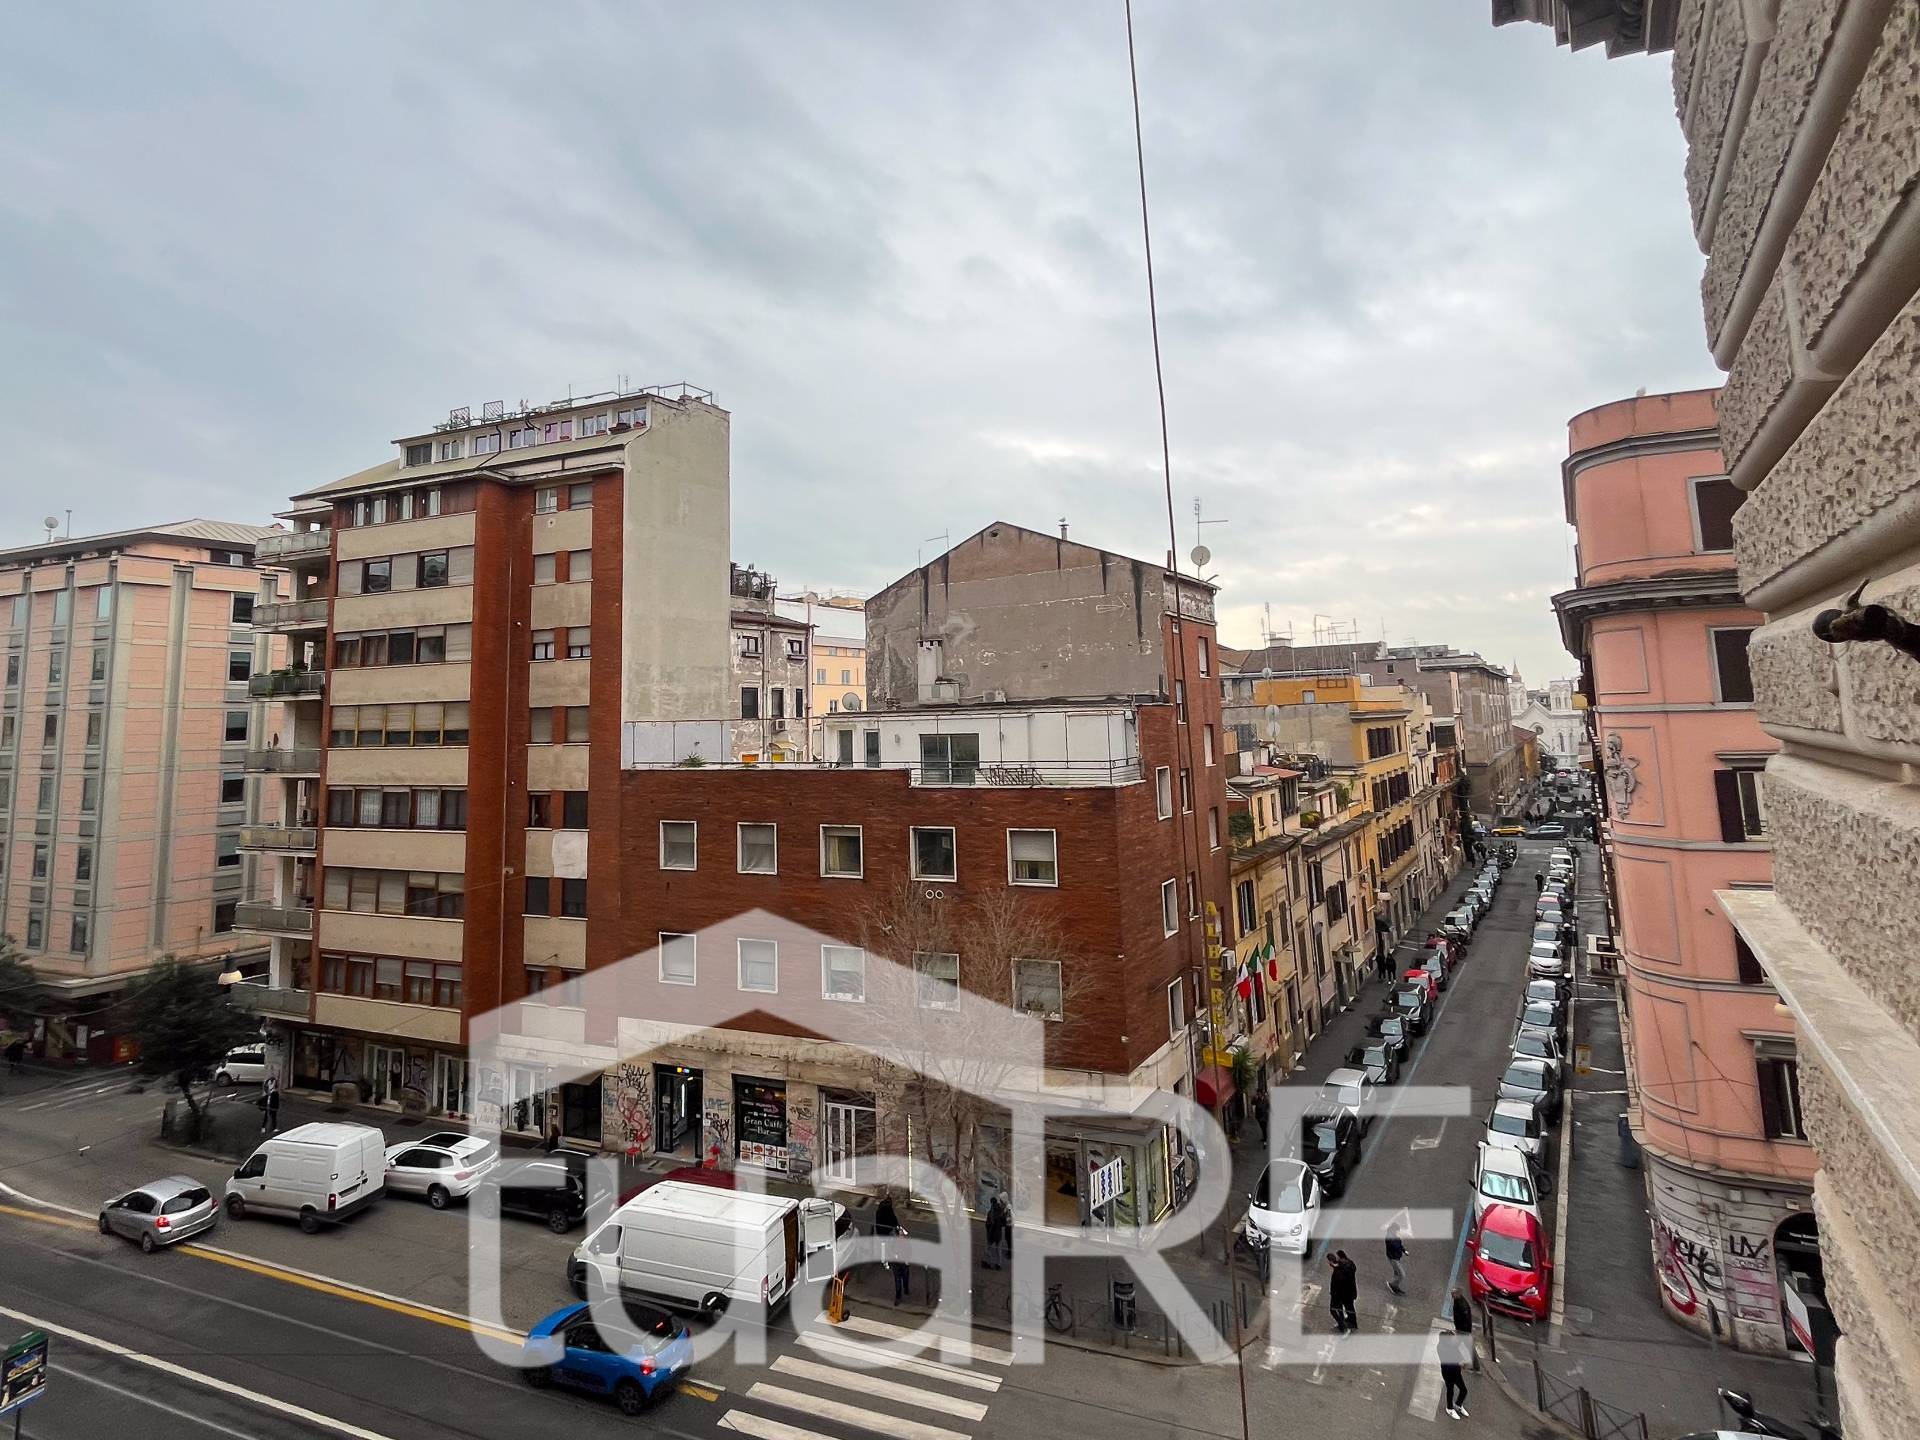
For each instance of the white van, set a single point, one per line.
(703, 1246)
(317, 1173)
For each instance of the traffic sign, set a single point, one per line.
(23, 1370)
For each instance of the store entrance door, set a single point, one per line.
(676, 1110)
(850, 1136)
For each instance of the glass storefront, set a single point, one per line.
(760, 1122)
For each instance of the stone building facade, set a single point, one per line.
(1803, 175)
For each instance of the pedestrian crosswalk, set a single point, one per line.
(868, 1377)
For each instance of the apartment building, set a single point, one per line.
(772, 660)
(839, 649)
(1657, 620)
(1269, 890)
(125, 719)
(480, 629)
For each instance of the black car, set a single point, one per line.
(1390, 1027)
(551, 1187)
(1379, 1058)
(1330, 1147)
(1412, 1004)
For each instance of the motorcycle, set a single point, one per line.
(1755, 1422)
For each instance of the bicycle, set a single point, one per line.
(1059, 1314)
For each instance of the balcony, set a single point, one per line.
(293, 547)
(273, 919)
(288, 685)
(256, 999)
(301, 838)
(294, 761)
(285, 615)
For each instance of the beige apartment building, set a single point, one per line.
(1803, 176)
(125, 722)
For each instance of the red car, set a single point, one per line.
(1429, 986)
(1511, 1272)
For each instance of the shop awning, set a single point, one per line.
(1204, 1089)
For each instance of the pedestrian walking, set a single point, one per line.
(1260, 1113)
(1342, 1290)
(1396, 1260)
(269, 1106)
(998, 1223)
(1539, 881)
(1463, 1324)
(1453, 1354)
(886, 1225)
(16, 1052)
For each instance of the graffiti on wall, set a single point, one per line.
(716, 1119)
(802, 1130)
(1689, 1273)
(628, 1109)
(1753, 1285)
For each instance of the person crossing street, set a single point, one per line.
(1396, 1260)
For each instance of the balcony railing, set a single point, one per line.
(279, 761)
(258, 999)
(279, 837)
(273, 919)
(290, 614)
(281, 684)
(296, 545)
(1020, 774)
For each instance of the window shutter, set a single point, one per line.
(1770, 1118)
(1726, 794)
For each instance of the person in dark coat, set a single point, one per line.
(998, 1223)
(269, 1108)
(1342, 1291)
(1260, 1113)
(1453, 1355)
(1397, 1261)
(886, 1224)
(1463, 1321)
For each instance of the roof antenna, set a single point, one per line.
(52, 523)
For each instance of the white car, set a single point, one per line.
(1516, 1125)
(1502, 1176)
(1284, 1208)
(244, 1065)
(1350, 1088)
(444, 1167)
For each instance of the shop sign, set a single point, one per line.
(1105, 1184)
(760, 1123)
(23, 1371)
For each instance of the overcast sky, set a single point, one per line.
(243, 248)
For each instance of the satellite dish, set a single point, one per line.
(1201, 554)
(52, 522)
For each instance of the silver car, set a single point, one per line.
(163, 1212)
(444, 1167)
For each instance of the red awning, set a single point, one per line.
(1209, 1098)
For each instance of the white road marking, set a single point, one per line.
(867, 1384)
(63, 1099)
(919, 1338)
(1319, 1374)
(764, 1429)
(836, 1349)
(225, 1387)
(1424, 1404)
(174, 1410)
(899, 1428)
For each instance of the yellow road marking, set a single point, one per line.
(698, 1392)
(274, 1272)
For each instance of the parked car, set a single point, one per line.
(1547, 1019)
(1510, 1272)
(1535, 1081)
(1516, 1125)
(318, 1174)
(1285, 1206)
(242, 1065)
(162, 1212)
(1330, 1147)
(444, 1167)
(1379, 1058)
(1351, 1090)
(1391, 1030)
(1531, 1044)
(552, 1188)
(1506, 1177)
(568, 1348)
(1546, 992)
(1510, 827)
(1550, 830)
(1448, 952)
(1411, 1002)
(1459, 924)
(1546, 931)
(1425, 981)
(1548, 967)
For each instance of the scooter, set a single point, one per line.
(1753, 1422)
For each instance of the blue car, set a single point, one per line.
(567, 1348)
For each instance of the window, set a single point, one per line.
(546, 501)
(1180, 700)
(933, 853)
(1205, 653)
(376, 577)
(1779, 1076)
(543, 645)
(103, 603)
(679, 959)
(759, 966)
(539, 810)
(820, 676)
(573, 809)
(49, 730)
(83, 862)
(679, 849)
(573, 899)
(796, 649)
(556, 430)
(34, 930)
(579, 643)
(1163, 791)
(239, 666)
(89, 794)
(56, 664)
(544, 572)
(242, 609)
(577, 718)
(538, 901)
(41, 853)
(62, 606)
(759, 849)
(579, 564)
(45, 802)
(936, 980)
(843, 973)
(236, 729)
(432, 573)
(1746, 964)
(580, 493)
(223, 912)
(1733, 681)
(13, 670)
(1213, 828)
(1186, 791)
(1245, 911)
(1193, 896)
(840, 851)
(779, 698)
(1715, 498)
(846, 677)
(540, 726)
(226, 851)
(1036, 988)
(1743, 816)
(1032, 858)
(749, 702)
(488, 444)
(949, 759)
(1170, 907)
(871, 749)
(97, 664)
(1207, 748)
(749, 643)
(421, 454)
(78, 941)
(1176, 1008)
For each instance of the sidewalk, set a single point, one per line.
(1617, 1340)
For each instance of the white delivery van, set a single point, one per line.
(316, 1173)
(708, 1247)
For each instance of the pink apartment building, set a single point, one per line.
(1657, 621)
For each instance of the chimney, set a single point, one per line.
(1063, 527)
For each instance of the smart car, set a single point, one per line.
(1285, 1206)
(568, 1348)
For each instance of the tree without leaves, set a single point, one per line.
(20, 997)
(180, 1018)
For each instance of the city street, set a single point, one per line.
(241, 1342)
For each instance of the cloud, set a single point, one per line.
(1395, 250)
